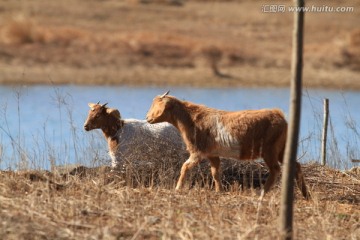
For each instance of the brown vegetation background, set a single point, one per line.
(184, 43)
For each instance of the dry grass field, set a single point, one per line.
(94, 203)
(198, 43)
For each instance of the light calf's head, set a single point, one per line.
(159, 110)
(100, 116)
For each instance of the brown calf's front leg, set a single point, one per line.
(189, 164)
(215, 172)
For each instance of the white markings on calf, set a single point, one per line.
(228, 144)
(223, 136)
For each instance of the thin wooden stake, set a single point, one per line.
(287, 187)
(324, 133)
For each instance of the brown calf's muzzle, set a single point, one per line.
(86, 127)
(94, 121)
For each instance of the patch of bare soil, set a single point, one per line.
(182, 43)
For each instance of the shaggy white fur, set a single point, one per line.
(144, 143)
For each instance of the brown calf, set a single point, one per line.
(210, 134)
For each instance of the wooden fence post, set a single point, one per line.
(287, 187)
(324, 132)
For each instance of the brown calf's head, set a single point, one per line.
(158, 111)
(100, 116)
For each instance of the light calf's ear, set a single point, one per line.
(162, 96)
(114, 112)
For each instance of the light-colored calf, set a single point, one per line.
(135, 141)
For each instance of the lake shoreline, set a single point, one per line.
(239, 77)
(167, 86)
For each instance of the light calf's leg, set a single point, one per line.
(215, 172)
(189, 164)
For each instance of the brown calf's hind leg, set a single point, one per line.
(215, 172)
(274, 168)
(189, 164)
(301, 182)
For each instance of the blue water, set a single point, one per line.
(43, 125)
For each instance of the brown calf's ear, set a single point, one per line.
(91, 105)
(114, 112)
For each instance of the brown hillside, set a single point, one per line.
(195, 43)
